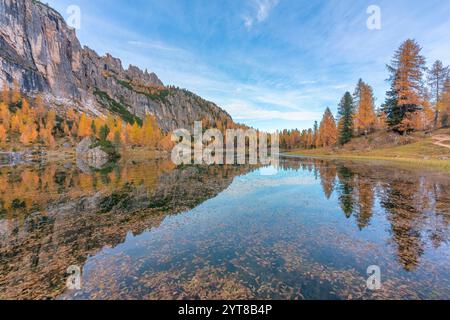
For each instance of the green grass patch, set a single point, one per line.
(124, 84)
(116, 107)
(161, 95)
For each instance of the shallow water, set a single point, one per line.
(306, 230)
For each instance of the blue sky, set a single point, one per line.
(270, 63)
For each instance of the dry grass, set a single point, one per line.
(418, 152)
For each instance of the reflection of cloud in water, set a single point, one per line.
(244, 185)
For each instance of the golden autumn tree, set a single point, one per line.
(5, 115)
(134, 133)
(46, 131)
(328, 130)
(382, 123)
(16, 122)
(3, 135)
(4, 94)
(365, 117)
(98, 123)
(84, 127)
(29, 133)
(39, 108)
(15, 94)
(407, 85)
(429, 115)
(151, 134)
(166, 142)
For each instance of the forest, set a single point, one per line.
(27, 122)
(418, 100)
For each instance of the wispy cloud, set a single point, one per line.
(156, 45)
(262, 9)
(243, 110)
(298, 56)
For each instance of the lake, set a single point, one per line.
(309, 229)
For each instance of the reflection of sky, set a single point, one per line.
(259, 215)
(265, 178)
(269, 63)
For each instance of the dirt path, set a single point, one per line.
(439, 140)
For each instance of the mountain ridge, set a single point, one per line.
(40, 52)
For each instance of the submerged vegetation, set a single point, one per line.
(56, 216)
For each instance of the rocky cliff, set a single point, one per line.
(42, 53)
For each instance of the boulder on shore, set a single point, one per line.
(92, 156)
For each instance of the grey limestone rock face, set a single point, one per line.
(43, 54)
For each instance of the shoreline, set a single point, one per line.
(442, 165)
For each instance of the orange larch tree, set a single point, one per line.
(4, 94)
(328, 129)
(365, 117)
(406, 77)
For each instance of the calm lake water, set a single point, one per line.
(306, 230)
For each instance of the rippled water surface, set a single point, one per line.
(306, 230)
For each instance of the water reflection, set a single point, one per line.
(307, 232)
(55, 216)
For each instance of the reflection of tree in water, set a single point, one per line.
(406, 220)
(415, 204)
(356, 195)
(328, 178)
(366, 201)
(346, 190)
(416, 208)
(54, 217)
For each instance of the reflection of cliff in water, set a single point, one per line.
(54, 217)
(416, 202)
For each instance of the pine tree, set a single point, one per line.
(315, 134)
(104, 132)
(394, 114)
(444, 105)
(345, 113)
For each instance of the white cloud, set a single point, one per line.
(156, 45)
(242, 110)
(248, 22)
(262, 9)
(243, 187)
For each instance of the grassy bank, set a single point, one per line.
(422, 153)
